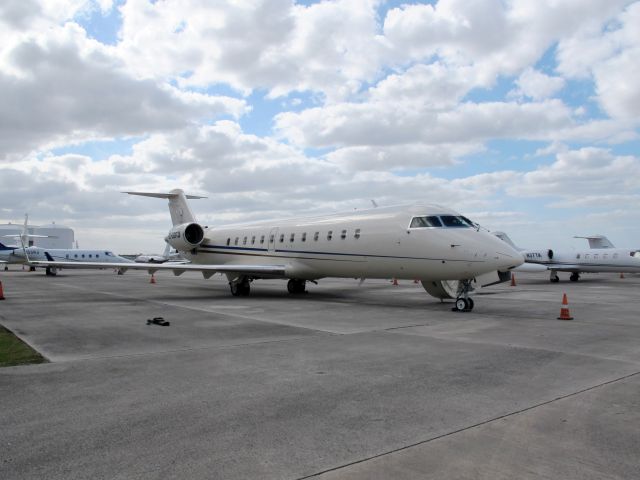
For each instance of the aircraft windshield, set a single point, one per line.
(452, 221)
(424, 222)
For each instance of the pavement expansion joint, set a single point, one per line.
(475, 425)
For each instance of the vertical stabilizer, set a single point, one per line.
(178, 206)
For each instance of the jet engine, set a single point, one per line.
(185, 237)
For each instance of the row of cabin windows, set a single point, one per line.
(292, 237)
(605, 256)
(81, 255)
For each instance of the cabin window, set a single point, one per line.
(596, 256)
(454, 221)
(292, 237)
(75, 255)
(97, 255)
(228, 241)
(272, 238)
(304, 237)
(587, 256)
(253, 240)
(357, 233)
(90, 256)
(424, 222)
(244, 241)
(615, 255)
(261, 239)
(235, 242)
(329, 234)
(316, 236)
(578, 256)
(281, 237)
(343, 235)
(67, 256)
(83, 255)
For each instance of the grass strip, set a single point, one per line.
(14, 351)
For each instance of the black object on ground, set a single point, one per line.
(158, 321)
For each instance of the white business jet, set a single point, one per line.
(72, 257)
(601, 257)
(167, 256)
(426, 242)
(22, 254)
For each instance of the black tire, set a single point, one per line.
(296, 287)
(461, 304)
(555, 279)
(574, 277)
(471, 304)
(236, 290)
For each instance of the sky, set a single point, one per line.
(523, 115)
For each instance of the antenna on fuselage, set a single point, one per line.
(375, 205)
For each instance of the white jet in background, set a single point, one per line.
(601, 257)
(427, 242)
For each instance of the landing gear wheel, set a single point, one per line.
(51, 272)
(574, 277)
(240, 289)
(295, 286)
(471, 304)
(462, 305)
(554, 279)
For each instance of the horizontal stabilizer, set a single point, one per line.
(163, 195)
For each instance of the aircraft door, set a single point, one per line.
(273, 234)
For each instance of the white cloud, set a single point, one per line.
(537, 85)
(59, 87)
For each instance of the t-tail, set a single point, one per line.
(186, 233)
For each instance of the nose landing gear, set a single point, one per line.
(464, 303)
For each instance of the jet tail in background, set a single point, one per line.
(598, 241)
(505, 238)
(178, 206)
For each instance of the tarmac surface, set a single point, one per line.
(345, 382)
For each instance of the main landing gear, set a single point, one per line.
(296, 286)
(574, 277)
(464, 303)
(240, 288)
(51, 272)
(553, 277)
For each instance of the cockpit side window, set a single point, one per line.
(454, 221)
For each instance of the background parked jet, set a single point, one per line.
(427, 242)
(167, 256)
(602, 257)
(74, 258)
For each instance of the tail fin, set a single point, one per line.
(4, 247)
(598, 241)
(178, 206)
(505, 238)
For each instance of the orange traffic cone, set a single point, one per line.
(621, 275)
(564, 310)
(395, 281)
(153, 279)
(513, 279)
(1, 292)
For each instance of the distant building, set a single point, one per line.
(59, 236)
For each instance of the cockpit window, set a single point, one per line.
(424, 222)
(454, 221)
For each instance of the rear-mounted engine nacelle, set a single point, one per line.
(185, 237)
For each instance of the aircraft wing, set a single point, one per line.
(177, 269)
